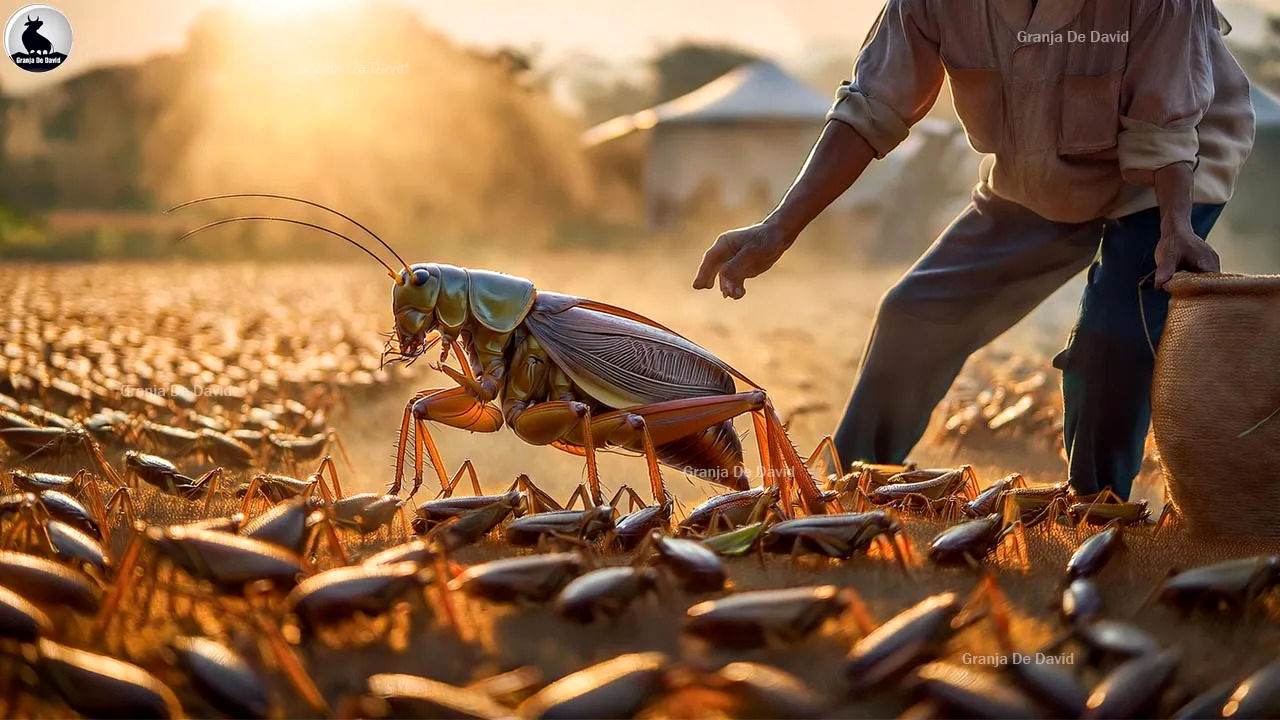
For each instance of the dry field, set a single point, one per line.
(799, 333)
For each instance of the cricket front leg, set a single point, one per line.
(455, 407)
(466, 407)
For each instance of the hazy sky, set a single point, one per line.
(107, 31)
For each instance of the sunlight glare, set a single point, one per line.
(284, 9)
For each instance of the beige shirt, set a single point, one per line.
(1073, 106)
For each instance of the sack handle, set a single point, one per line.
(1142, 312)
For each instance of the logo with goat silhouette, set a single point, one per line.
(37, 38)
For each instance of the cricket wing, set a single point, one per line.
(622, 362)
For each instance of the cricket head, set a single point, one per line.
(413, 304)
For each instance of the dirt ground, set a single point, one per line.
(799, 333)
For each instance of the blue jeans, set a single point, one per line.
(993, 264)
(1106, 367)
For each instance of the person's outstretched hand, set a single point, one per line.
(740, 254)
(1183, 250)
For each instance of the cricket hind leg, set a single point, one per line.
(811, 500)
(692, 435)
(674, 421)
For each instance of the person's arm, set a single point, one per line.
(1179, 247)
(1166, 89)
(835, 162)
(895, 82)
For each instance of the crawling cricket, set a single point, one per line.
(560, 369)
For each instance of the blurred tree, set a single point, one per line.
(1262, 62)
(395, 124)
(4, 133)
(604, 90)
(600, 89)
(514, 60)
(688, 66)
(1270, 70)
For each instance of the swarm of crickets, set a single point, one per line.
(177, 538)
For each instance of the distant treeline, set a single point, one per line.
(422, 140)
(392, 124)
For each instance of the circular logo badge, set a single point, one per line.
(37, 38)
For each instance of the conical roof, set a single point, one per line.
(757, 92)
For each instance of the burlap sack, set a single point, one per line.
(1214, 402)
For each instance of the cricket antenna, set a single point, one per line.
(291, 221)
(312, 203)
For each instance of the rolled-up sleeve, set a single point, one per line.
(896, 78)
(1167, 87)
